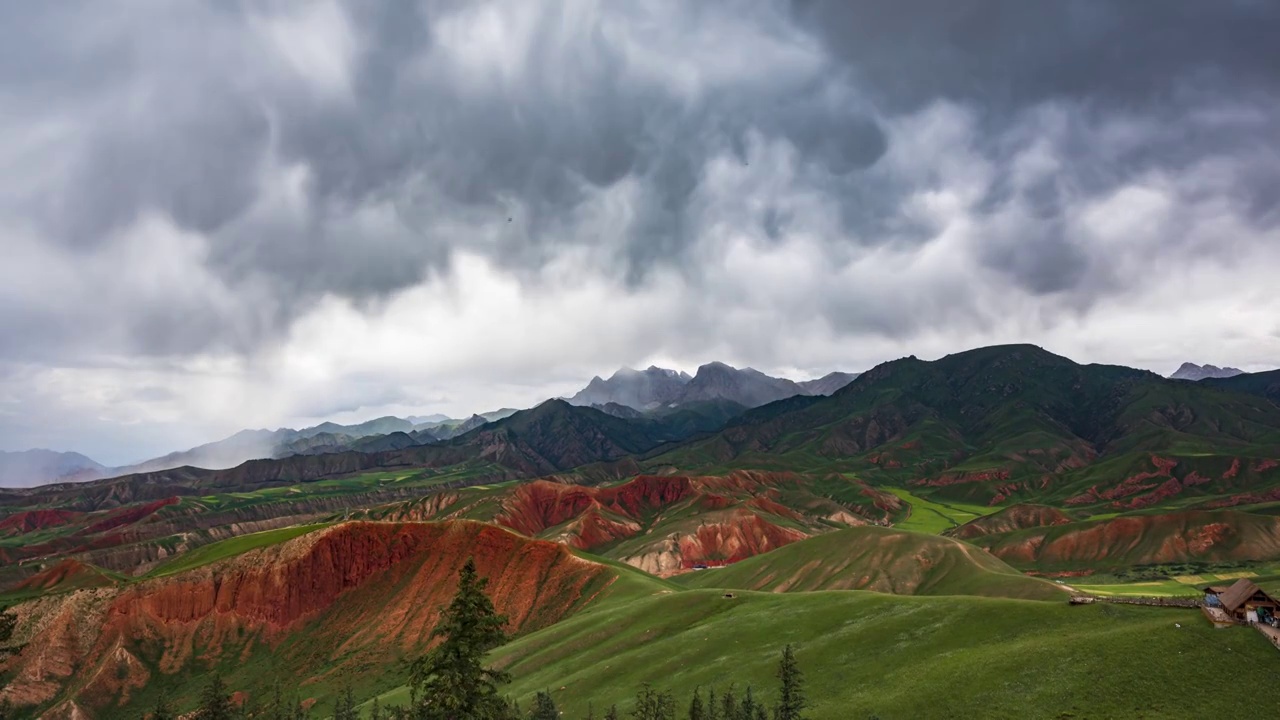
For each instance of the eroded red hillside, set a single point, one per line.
(1191, 536)
(31, 520)
(362, 589)
(669, 523)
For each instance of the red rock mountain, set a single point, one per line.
(334, 600)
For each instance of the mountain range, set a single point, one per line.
(716, 391)
(657, 387)
(1004, 471)
(20, 469)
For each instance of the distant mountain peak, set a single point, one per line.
(1193, 372)
(639, 389)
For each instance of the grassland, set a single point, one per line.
(936, 517)
(894, 657)
(231, 547)
(882, 559)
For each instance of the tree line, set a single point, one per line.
(452, 682)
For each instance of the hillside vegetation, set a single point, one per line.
(890, 656)
(880, 559)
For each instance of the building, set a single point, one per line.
(1242, 602)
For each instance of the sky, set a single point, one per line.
(219, 215)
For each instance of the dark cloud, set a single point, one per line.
(196, 179)
(1005, 54)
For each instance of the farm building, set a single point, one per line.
(1243, 602)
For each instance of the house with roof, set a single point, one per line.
(1242, 602)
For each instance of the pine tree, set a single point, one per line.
(344, 706)
(544, 707)
(729, 705)
(375, 710)
(215, 701)
(654, 705)
(299, 711)
(713, 708)
(163, 709)
(747, 710)
(695, 706)
(276, 708)
(612, 714)
(591, 711)
(792, 701)
(451, 682)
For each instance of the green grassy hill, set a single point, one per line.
(1006, 424)
(881, 559)
(867, 654)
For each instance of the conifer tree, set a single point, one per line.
(215, 701)
(653, 705)
(451, 682)
(163, 709)
(544, 707)
(747, 710)
(344, 706)
(300, 712)
(591, 711)
(696, 711)
(792, 702)
(375, 710)
(713, 708)
(276, 708)
(612, 714)
(729, 705)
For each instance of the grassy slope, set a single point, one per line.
(878, 559)
(897, 657)
(231, 547)
(928, 516)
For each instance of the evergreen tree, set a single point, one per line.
(344, 706)
(654, 705)
(451, 682)
(300, 712)
(276, 708)
(792, 701)
(612, 714)
(729, 705)
(713, 708)
(375, 710)
(6, 710)
(163, 709)
(544, 707)
(747, 710)
(215, 701)
(591, 711)
(695, 706)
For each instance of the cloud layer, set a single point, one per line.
(224, 215)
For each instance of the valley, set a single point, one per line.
(923, 520)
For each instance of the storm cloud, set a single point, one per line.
(218, 215)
